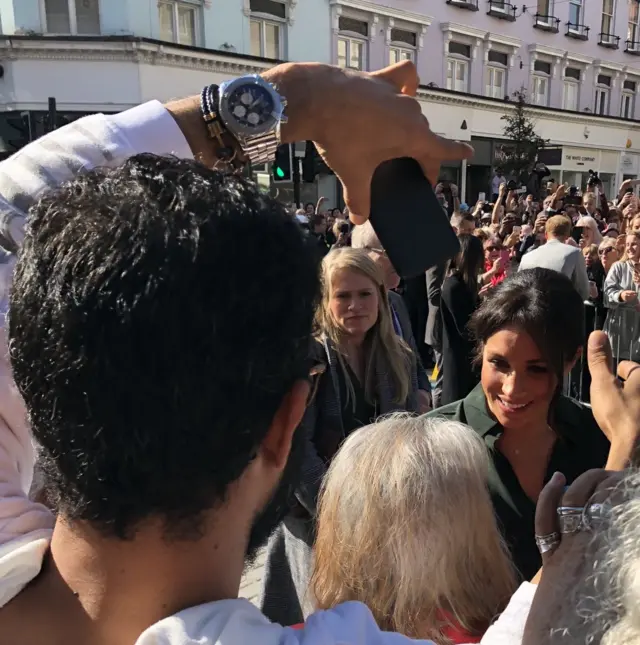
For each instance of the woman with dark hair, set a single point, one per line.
(529, 332)
(458, 301)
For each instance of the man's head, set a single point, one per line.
(558, 228)
(463, 223)
(364, 237)
(152, 391)
(318, 224)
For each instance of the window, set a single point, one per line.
(633, 32)
(403, 45)
(72, 16)
(541, 80)
(352, 43)
(575, 12)
(495, 82)
(267, 26)
(496, 74)
(608, 20)
(179, 22)
(629, 89)
(603, 87)
(458, 67)
(545, 7)
(571, 88)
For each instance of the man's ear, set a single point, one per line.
(276, 445)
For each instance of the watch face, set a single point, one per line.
(251, 106)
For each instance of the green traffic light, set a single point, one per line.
(279, 172)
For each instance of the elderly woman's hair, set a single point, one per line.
(607, 242)
(381, 339)
(393, 529)
(364, 237)
(543, 303)
(589, 222)
(481, 233)
(619, 570)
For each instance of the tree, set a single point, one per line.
(517, 157)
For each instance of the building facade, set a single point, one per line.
(578, 60)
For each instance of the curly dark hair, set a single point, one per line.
(160, 312)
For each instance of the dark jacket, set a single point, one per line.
(435, 278)
(397, 304)
(580, 446)
(457, 305)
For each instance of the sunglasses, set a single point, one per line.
(317, 369)
(491, 249)
(605, 251)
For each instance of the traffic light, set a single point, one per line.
(313, 164)
(282, 164)
(16, 130)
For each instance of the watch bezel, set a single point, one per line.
(242, 131)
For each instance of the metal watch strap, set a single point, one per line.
(262, 149)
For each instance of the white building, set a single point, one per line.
(108, 55)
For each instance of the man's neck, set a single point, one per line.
(124, 587)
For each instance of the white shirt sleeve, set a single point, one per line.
(509, 628)
(90, 142)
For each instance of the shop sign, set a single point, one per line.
(629, 164)
(580, 159)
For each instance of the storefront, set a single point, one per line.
(577, 164)
(629, 165)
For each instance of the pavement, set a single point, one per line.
(250, 585)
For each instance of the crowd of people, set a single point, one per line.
(194, 370)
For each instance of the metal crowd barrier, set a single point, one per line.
(578, 382)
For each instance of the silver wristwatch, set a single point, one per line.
(252, 112)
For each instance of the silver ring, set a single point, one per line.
(570, 523)
(570, 510)
(547, 542)
(594, 514)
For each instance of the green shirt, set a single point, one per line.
(580, 446)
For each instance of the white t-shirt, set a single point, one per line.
(26, 527)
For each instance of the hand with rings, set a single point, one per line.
(567, 519)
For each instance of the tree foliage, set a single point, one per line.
(517, 157)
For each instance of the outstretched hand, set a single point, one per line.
(615, 401)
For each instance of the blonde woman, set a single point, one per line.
(370, 371)
(590, 231)
(394, 532)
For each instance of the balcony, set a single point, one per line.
(632, 47)
(610, 41)
(547, 23)
(470, 5)
(502, 10)
(579, 32)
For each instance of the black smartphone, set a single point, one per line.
(576, 233)
(411, 224)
